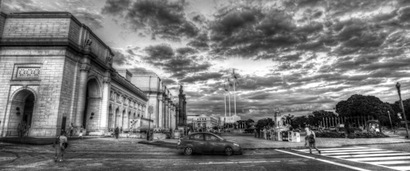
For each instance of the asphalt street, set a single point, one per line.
(125, 154)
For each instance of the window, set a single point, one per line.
(197, 137)
(211, 138)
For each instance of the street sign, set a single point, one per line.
(150, 109)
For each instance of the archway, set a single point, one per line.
(92, 106)
(21, 113)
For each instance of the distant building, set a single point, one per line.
(204, 121)
(229, 119)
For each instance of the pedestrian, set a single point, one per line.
(81, 132)
(116, 132)
(60, 145)
(311, 140)
(71, 129)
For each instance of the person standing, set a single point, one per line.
(71, 129)
(116, 132)
(60, 145)
(311, 140)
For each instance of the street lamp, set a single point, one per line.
(150, 111)
(402, 108)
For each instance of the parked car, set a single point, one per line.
(206, 142)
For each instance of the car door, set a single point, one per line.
(198, 142)
(214, 144)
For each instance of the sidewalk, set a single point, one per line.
(250, 143)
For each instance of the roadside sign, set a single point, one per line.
(150, 109)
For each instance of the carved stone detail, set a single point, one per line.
(85, 67)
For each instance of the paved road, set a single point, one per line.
(108, 154)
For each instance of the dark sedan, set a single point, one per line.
(205, 142)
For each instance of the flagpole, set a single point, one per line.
(229, 97)
(225, 103)
(234, 96)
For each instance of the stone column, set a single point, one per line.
(82, 90)
(105, 103)
(160, 114)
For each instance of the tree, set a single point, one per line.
(318, 115)
(397, 109)
(264, 122)
(359, 105)
(299, 122)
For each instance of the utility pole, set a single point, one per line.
(402, 108)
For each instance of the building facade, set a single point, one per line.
(159, 97)
(55, 72)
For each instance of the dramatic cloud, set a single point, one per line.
(166, 19)
(178, 63)
(296, 55)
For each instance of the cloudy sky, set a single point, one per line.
(295, 55)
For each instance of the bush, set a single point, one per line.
(352, 135)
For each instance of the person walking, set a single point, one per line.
(311, 140)
(60, 145)
(81, 132)
(116, 132)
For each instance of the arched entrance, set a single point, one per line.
(92, 106)
(21, 113)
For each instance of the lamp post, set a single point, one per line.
(150, 111)
(402, 108)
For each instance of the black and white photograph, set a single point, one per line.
(205, 85)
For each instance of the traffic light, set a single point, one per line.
(399, 116)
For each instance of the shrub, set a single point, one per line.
(352, 135)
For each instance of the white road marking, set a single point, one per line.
(373, 155)
(237, 162)
(357, 152)
(401, 167)
(391, 162)
(380, 158)
(326, 161)
(395, 160)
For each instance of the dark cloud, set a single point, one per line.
(119, 57)
(93, 20)
(115, 7)
(168, 81)
(178, 63)
(166, 19)
(202, 77)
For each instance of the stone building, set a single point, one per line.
(54, 71)
(164, 113)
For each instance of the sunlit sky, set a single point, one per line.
(295, 55)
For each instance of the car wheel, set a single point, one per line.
(228, 151)
(188, 151)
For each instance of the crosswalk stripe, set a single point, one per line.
(395, 160)
(336, 151)
(401, 167)
(379, 158)
(391, 162)
(372, 155)
(358, 152)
